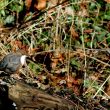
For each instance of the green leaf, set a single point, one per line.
(97, 28)
(75, 63)
(36, 68)
(9, 20)
(92, 5)
(101, 36)
(2, 12)
(107, 17)
(16, 5)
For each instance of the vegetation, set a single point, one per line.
(69, 40)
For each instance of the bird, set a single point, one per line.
(12, 62)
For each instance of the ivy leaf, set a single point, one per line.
(9, 20)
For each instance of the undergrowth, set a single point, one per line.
(70, 43)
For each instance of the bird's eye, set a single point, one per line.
(23, 66)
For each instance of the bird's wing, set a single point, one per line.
(11, 68)
(10, 63)
(15, 59)
(13, 63)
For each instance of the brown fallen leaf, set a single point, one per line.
(18, 45)
(56, 58)
(108, 1)
(28, 4)
(74, 34)
(87, 31)
(83, 10)
(69, 11)
(40, 4)
(107, 90)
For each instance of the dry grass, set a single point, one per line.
(82, 47)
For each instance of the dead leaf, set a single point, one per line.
(56, 2)
(108, 90)
(87, 31)
(83, 11)
(69, 81)
(40, 4)
(108, 1)
(69, 11)
(17, 45)
(108, 26)
(74, 84)
(74, 34)
(28, 4)
(56, 58)
(33, 51)
(54, 63)
(76, 90)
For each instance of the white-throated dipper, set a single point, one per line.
(12, 62)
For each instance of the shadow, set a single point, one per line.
(5, 102)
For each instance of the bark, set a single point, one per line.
(30, 98)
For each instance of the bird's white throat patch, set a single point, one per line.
(23, 60)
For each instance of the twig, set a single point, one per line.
(101, 86)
